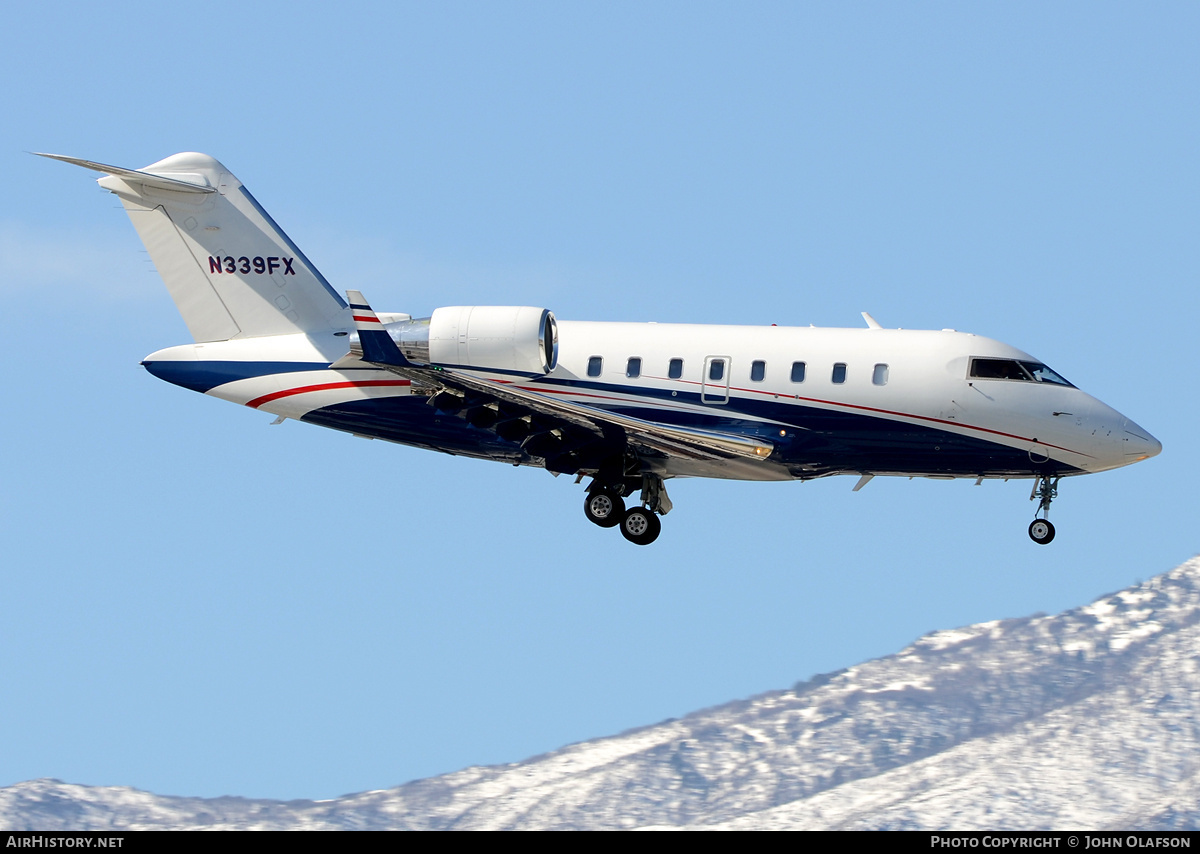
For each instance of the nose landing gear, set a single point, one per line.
(1045, 488)
(1041, 531)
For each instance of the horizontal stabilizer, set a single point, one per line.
(182, 182)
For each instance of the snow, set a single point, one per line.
(1090, 718)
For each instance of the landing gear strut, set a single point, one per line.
(1045, 488)
(640, 525)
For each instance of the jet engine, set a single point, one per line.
(522, 339)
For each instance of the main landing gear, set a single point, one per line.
(1045, 488)
(640, 526)
(605, 507)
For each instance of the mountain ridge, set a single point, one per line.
(1083, 718)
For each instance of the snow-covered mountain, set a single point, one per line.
(1084, 719)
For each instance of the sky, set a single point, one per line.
(197, 603)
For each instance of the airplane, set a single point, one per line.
(626, 405)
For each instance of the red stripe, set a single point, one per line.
(305, 389)
(786, 396)
(922, 418)
(367, 319)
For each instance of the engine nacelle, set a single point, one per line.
(489, 337)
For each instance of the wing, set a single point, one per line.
(569, 436)
(640, 433)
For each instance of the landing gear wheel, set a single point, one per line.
(640, 526)
(604, 507)
(1041, 531)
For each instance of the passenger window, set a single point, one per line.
(839, 372)
(880, 376)
(675, 369)
(633, 368)
(797, 372)
(758, 370)
(595, 363)
(716, 369)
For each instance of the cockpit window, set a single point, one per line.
(1013, 369)
(1044, 375)
(999, 369)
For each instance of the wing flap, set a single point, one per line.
(667, 439)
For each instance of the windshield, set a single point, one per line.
(1015, 369)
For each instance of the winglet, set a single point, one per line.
(872, 323)
(374, 342)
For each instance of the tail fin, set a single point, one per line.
(231, 270)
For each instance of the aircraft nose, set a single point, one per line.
(1118, 441)
(1139, 444)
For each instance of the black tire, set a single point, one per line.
(604, 507)
(640, 526)
(1041, 531)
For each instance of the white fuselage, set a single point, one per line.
(881, 412)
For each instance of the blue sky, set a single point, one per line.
(197, 603)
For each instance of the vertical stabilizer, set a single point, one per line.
(232, 272)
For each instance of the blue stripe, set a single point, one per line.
(820, 442)
(379, 348)
(202, 376)
(409, 421)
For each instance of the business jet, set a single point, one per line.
(626, 405)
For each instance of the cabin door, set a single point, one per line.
(714, 385)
